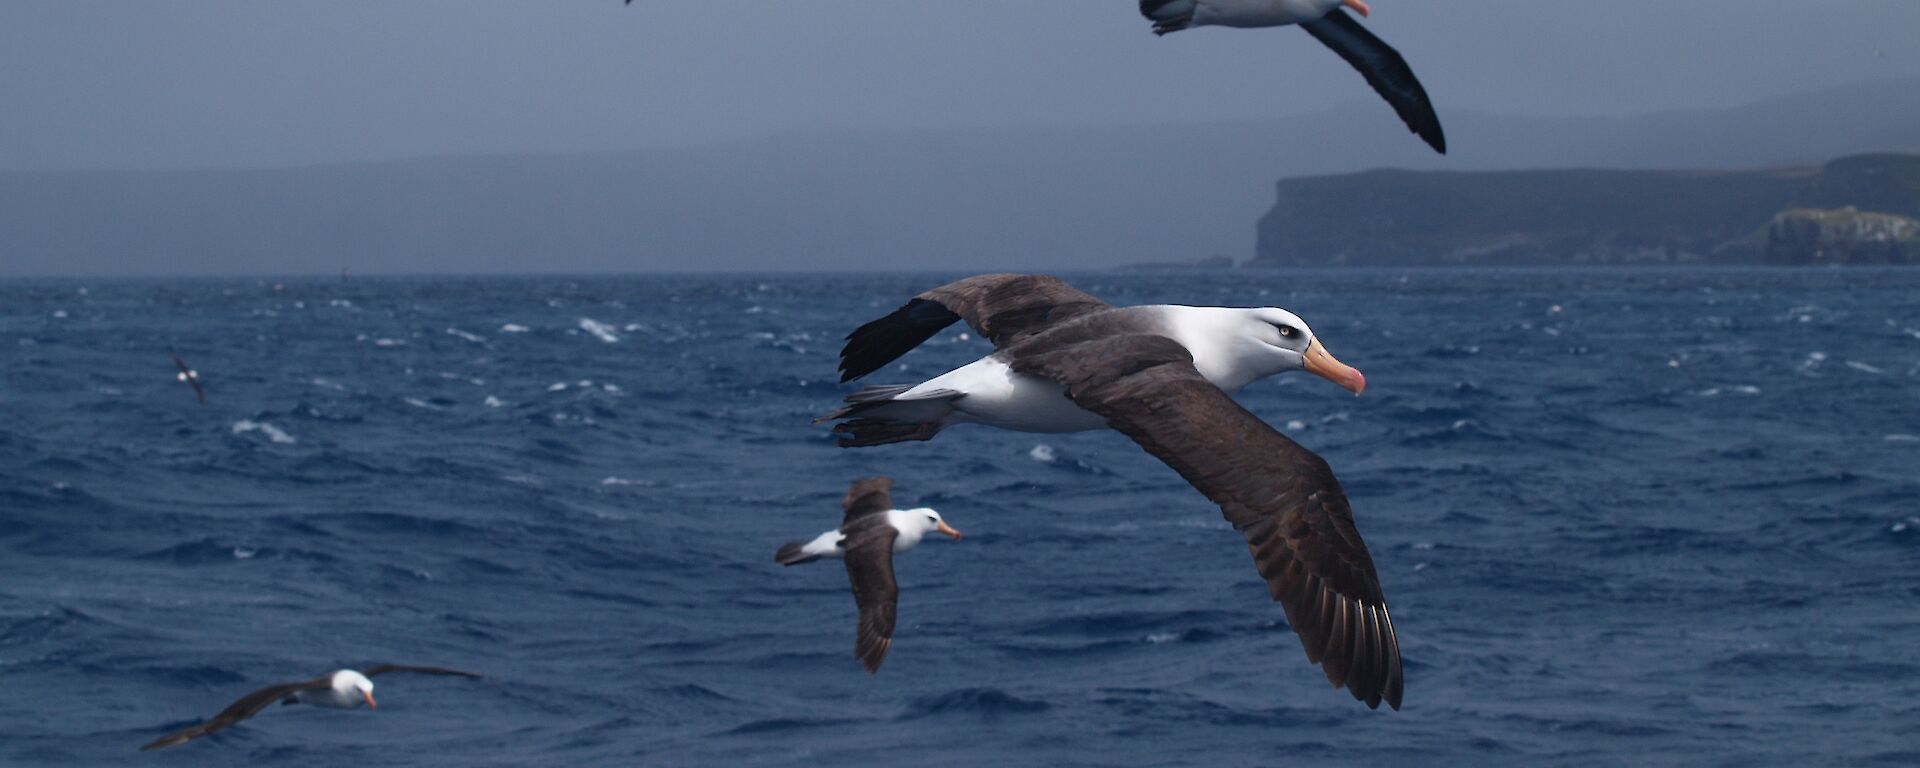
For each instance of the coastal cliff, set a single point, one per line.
(1845, 236)
(1390, 218)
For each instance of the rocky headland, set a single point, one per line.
(1854, 210)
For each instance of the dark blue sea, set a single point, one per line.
(1628, 518)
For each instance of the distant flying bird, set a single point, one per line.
(1378, 62)
(1065, 361)
(868, 536)
(191, 377)
(345, 689)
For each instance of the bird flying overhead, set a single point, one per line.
(1378, 62)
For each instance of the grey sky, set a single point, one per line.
(225, 83)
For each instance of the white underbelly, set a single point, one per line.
(996, 396)
(1253, 13)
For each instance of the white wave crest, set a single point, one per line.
(599, 329)
(625, 481)
(272, 432)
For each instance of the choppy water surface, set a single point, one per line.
(1623, 519)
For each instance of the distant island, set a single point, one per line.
(1860, 209)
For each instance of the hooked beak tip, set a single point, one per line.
(1321, 363)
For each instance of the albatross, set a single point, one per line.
(1378, 62)
(868, 536)
(191, 377)
(344, 689)
(1065, 361)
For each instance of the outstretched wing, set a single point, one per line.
(870, 495)
(248, 706)
(1385, 71)
(1000, 308)
(1281, 496)
(870, 571)
(385, 668)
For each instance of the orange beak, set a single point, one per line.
(948, 530)
(1320, 362)
(1358, 6)
(368, 695)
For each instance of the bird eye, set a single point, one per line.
(1287, 332)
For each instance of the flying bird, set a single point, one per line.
(868, 536)
(345, 689)
(1065, 361)
(1378, 62)
(191, 377)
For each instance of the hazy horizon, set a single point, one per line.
(1357, 107)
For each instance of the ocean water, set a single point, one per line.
(1623, 518)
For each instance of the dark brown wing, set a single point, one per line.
(1001, 308)
(1281, 496)
(187, 373)
(868, 496)
(248, 706)
(1385, 70)
(385, 668)
(870, 571)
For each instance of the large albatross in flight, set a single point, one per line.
(868, 536)
(1065, 361)
(1378, 62)
(345, 689)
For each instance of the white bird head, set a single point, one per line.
(930, 521)
(1284, 343)
(347, 682)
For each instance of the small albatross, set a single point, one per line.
(1378, 62)
(1161, 375)
(868, 536)
(345, 689)
(191, 377)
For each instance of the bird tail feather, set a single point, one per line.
(794, 553)
(880, 415)
(1167, 15)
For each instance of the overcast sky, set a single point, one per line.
(112, 84)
